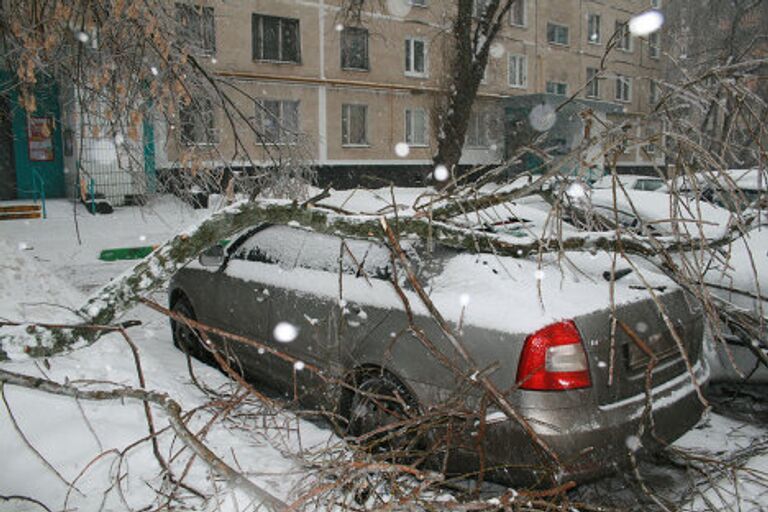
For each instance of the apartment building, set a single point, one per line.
(346, 94)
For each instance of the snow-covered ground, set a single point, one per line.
(44, 270)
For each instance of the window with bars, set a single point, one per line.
(416, 127)
(275, 39)
(518, 71)
(278, 120)
(415, 56)
(354, 48)
(197, 124)
(354, 125)
(197, 28)
(557, 34)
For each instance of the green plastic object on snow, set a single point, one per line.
(133, 253)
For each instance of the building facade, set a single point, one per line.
(349, 93)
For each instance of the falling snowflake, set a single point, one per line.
(539, 275)
(576, 191)
(339, 27)
(298, 365)
(646, 23)
(633, 443)
(497, 50)
(440, 173)
(154, 70)
(641, 327)
(402, 149)
(542, 117)
(82, 36)
(285, 332)
(464, 299)
(399, 8)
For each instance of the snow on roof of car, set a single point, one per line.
(626, 179)
(661, 210)
(745, 179)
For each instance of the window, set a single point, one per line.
(623, 88)
(477, 130)
(415, 57)
(278, 120)
(314, 251)
(559, 88)
(275, 39)
(623, 37)
(197, 28)
(416, 127)
(557, 34)
(593, 28)
(354, 125)
(653, 94)
(593, 83)
(518, 71)
(517, 13)
(196, 121)
(354, 48)
(418, 3)
(656, 4)
(654, 46)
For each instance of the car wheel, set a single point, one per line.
(185, 338)
(378, 402)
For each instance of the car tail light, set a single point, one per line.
(553, 359)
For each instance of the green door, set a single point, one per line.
(7, 165)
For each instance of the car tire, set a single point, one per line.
(366, 414)
(185, 338)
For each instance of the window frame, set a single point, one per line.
(599, 18)
(257, 19)
(592, 82)
(211, 133)
(523, 84)
(203, 14)
(281, 139)
(410, 56)
(654, 45)
(346, 32)
(418, 3)
(346, 121)
(478, 120)
(408, 117)
(624, 36)
(512, 22)
(556, 83)
(554, 27)
(627, 81)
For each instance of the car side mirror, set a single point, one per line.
(212, 257)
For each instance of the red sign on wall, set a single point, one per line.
(40, 138)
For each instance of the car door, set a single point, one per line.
(239, 302)
(323, 290)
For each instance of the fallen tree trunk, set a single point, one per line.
(107, 305)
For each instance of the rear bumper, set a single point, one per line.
(591, 441)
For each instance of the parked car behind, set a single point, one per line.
(542, 330)
(736, 273)
(630, 182)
